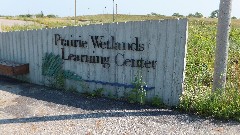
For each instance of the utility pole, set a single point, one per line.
(221, 53)
(75, 12)
(116, 11)
(113, 11)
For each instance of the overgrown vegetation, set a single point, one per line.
(198, 96)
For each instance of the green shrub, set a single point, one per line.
(156, 101)
(98, 92)
(219, 104)
(51, 16)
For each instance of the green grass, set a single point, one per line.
(197, 97)
(21, 27)
(118, 18)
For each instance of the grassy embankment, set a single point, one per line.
(197, 97)
(81, 20)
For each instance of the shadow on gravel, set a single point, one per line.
(106, 107)
(66, 98)
(83, 116)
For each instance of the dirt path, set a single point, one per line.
(13, 22)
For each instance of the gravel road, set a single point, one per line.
(7, 22)
(27, 109)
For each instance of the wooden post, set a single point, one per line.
(221, 54)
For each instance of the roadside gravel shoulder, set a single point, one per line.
(33, 109)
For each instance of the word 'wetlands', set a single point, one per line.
(99, 42)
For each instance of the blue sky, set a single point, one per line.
(85, 7)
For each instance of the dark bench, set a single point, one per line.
(11, 68)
